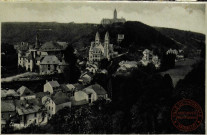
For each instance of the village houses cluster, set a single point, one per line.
(21, 108)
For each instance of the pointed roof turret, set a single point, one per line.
(115, 14)
(97, 38)
(107, 36)
(37, 42)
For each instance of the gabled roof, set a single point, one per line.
(67, 88)
(98, 89)
(98, 48)
(60, 98)
(5, 93)
(27, 106)
(51, 46)
(7, 106)
(24, 91)
(63, 44)
(53, 84)
(78, 86)
(50, 59)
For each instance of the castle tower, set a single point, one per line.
(106, 45)
(115, 14)
(97, 39)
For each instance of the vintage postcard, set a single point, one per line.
(102, 68)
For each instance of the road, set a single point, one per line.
(182, 68)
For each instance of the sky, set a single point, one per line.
(190, 17)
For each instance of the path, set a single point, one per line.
(182, 68)
(23, 76)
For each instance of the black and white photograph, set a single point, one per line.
(102, 67)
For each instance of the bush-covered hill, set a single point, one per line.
(137, 34)
(188, 39)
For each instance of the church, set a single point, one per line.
(106, 21)
(99, 51)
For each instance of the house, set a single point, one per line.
(25, 93)
(149, 57)
(86, 78)
(9, 95)
(172, 51)
(126, 65)
(29, 112)
(7, 109)
(51, 87)
(45, 58)
(49, 64)
(91, 94)
(56, 102)
(99, 90)
(92, 68)
(156, 61)
(80, 98)
(68, 89)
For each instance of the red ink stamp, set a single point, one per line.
(186, 115)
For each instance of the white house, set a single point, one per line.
(86, 78)
(91, 94)
(99, 90)
(29, 112)
(54, 103)
(51, 86)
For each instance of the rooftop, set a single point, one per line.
(5, 93)
(27, 106)
(98, 89)
(24, 91)
(50, 59)
(60, 98)
(7, 106)
(51, 46)
(54, 83)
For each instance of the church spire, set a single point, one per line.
(97, 38)
(37, 41)
(107, 37)
(115, 14)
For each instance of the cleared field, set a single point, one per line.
(23, 76)
(182, 68)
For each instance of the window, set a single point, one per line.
(2, 115)
(48, 67)
(35, 114)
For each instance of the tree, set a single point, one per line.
(168, 61)
(71, 72)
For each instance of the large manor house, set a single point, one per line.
(106, 21)
(47, 58)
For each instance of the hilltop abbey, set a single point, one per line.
(106, 21)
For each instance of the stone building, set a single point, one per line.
(99, 50)
(106, 21)
(33, 58)
(149, 57)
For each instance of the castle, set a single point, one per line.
(106, 21)
(99, 50)
(47, 58)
